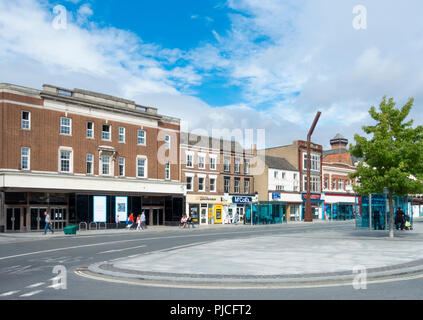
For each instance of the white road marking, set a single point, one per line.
(117, 250)
(35, 285)
(6, 294)
(20, 270)
(54, 286)
(30, 294)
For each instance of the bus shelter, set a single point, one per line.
(375, 212)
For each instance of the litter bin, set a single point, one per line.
(70, 229)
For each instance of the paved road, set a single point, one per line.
(26, 267)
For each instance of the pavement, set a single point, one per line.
(282, 259)
(39, 235)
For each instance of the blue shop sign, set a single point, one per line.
(241, 199)
(276, 196)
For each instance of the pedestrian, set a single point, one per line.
(236, 218)
(399, 219)
(143, 224)
(117, 221)
(376, 218)
(130, 221)
(183, 221)
(48, 223)
(190, 222)
(139, 223)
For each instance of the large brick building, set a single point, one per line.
(82, 156)
(215, 170)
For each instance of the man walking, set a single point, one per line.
(143, 225)
(48, 223)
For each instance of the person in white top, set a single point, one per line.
(139, 223)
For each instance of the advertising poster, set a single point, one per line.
(121, 209)
(100, 208)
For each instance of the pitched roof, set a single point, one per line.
(278, 163)
(210, 142)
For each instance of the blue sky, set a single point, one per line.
(226, 64)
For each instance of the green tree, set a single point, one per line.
(392, 156)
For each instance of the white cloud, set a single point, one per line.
(292, 56)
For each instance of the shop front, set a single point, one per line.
(206, 209)
(236, 210)
(341, 207)
(293, 203)
(316, 206)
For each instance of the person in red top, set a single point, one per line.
(130, 221)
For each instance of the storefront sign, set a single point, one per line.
(312, 196)
(241, 199)
(100, 208)
(121, 208)
(276, 196)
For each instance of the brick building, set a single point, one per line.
(340, 200)
(215, 171)
(83, 156)
(296, 155)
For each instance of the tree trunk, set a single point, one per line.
(391, 216)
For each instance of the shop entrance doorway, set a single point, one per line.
(37, 219)
(13, 219)
(58, 217)
(154, 216)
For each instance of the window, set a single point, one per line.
(90, 163)
(334, 184)
(90, 130)
(65, 126)
(315, 162)
(121, 165)
(341, 184)
(314, 184)
(141, 137)
(167, 171)
(25, 158)
(227, 164)
(26, 120)
(201, 162)
(212, 184)
(189, 183)
(247, 166)
(237, 165)
(141, 167)
(283, 175)
(201, 183)
(105, 165)
(276, 174)
(105, 132)
(167, 141)
(279, 188)
(65, 161)
(247, 186)
(121, 138)
(212, 163)
(326, 182)
(227, 184)
(189, 160)
(237, 186)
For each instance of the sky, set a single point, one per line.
(225, 64)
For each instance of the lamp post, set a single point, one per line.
(308, 216)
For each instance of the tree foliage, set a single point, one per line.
(393, 155)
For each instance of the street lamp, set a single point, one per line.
(308, 216)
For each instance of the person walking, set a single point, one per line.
(190, 222)
(143, 224)
(48, 223)
(139, 223)
(117, 221)
(130, 221)
(376, 218)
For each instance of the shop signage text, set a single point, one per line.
(240, 199)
